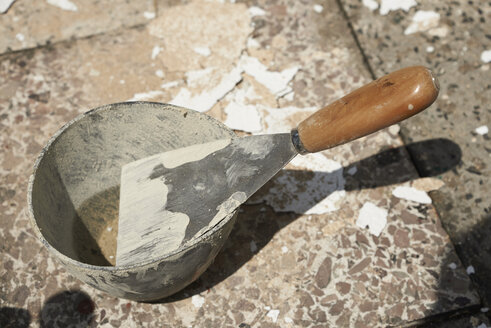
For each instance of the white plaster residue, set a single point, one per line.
(198, 301)
(228, 206)
(373, 217)
(169, 85)
(146, 95)
(484, 309)
(470, 270)
(5, 5)
(288, 320)
(412, 194)
(209, 97)
(318, 8)
(242, 117)
(280, 120)
(143, 200)
(177, 157)
(159, 73)
(256, 11)
(482, 130)
(199, 187)
(423, 21)
(149, 15)
(253, 246)
(240, 114)
(276, 82)
(273, 314)
(63, 4)
(387, 6)
(198, 77)
(370, 4)
(284, 249)
(252, 43)
(302, 192)
(482, 325)
(20, 37)
(430, 49)
(203, 51)
(452, 266)
(155, 51)
(486, 56)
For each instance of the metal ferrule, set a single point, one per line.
(297, 143)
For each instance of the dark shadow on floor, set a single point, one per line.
(261, 223)
(14, 318)
(67, 309)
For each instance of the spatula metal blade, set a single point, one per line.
(170, 198)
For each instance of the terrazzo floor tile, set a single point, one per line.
(300, 253)
(453, 39)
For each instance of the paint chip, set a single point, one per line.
(452, 266)
(273, 314)
(423, 21)
(253, 246)
(412, 194)
(198, 301)
(5, 5)
(318, 8)
(242, 117)
(63, 4)
(482, 325)
(486, 56)
(470, 270)
(373, 217)
(370, 4)
(387, 6)
(484, 309)
(482, 130)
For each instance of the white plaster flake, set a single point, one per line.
(482, 130)
(423, 21)
(207, 98)
(373, 217)
(149, 15)
(203, 51)
(273, 314)
(470, 270)
(387, 6)
(412, 194)
(318, 8)
(5, 5)
(256, 11)
(146, 95)
(486, 56)
(155, 51)
(63, 4)
(198, 301)
(370, 4)
(276, 82)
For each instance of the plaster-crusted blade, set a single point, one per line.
(169, 198)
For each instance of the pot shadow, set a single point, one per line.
(11, 317)
(66, 309)
(254, 229)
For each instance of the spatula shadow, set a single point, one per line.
(257, 224)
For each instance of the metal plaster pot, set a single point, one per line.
(73, 196)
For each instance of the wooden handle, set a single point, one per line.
(381, 103)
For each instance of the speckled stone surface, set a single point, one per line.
(455, 47)
(280, 267)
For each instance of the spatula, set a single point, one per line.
(169, 199)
